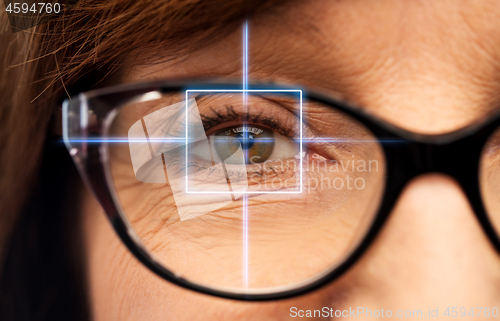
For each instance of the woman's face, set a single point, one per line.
(427, 66)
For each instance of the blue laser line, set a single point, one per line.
(245, 198)
(245, 59)
(330, 140)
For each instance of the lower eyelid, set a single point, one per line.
(268, 170)
(276, 167)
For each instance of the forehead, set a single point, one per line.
(423, 60)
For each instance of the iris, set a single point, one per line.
(256, 142)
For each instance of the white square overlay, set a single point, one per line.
(246, 91)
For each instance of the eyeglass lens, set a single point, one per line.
(249, 190)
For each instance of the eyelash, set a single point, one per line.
(231, 115)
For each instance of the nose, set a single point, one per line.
(432, 252)
(431, 255)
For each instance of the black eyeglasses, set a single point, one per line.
(264, 193)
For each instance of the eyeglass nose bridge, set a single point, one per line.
(457, 159)
(460, 160)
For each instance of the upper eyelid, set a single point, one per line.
(257, 119)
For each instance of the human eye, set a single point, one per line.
(255, 141)
(246, 145)
(259, 143)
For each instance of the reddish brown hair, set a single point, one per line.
(41, 66)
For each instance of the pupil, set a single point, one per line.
(246, 140)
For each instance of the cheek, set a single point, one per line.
(121, 288)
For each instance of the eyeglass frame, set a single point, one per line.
(413, 155)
